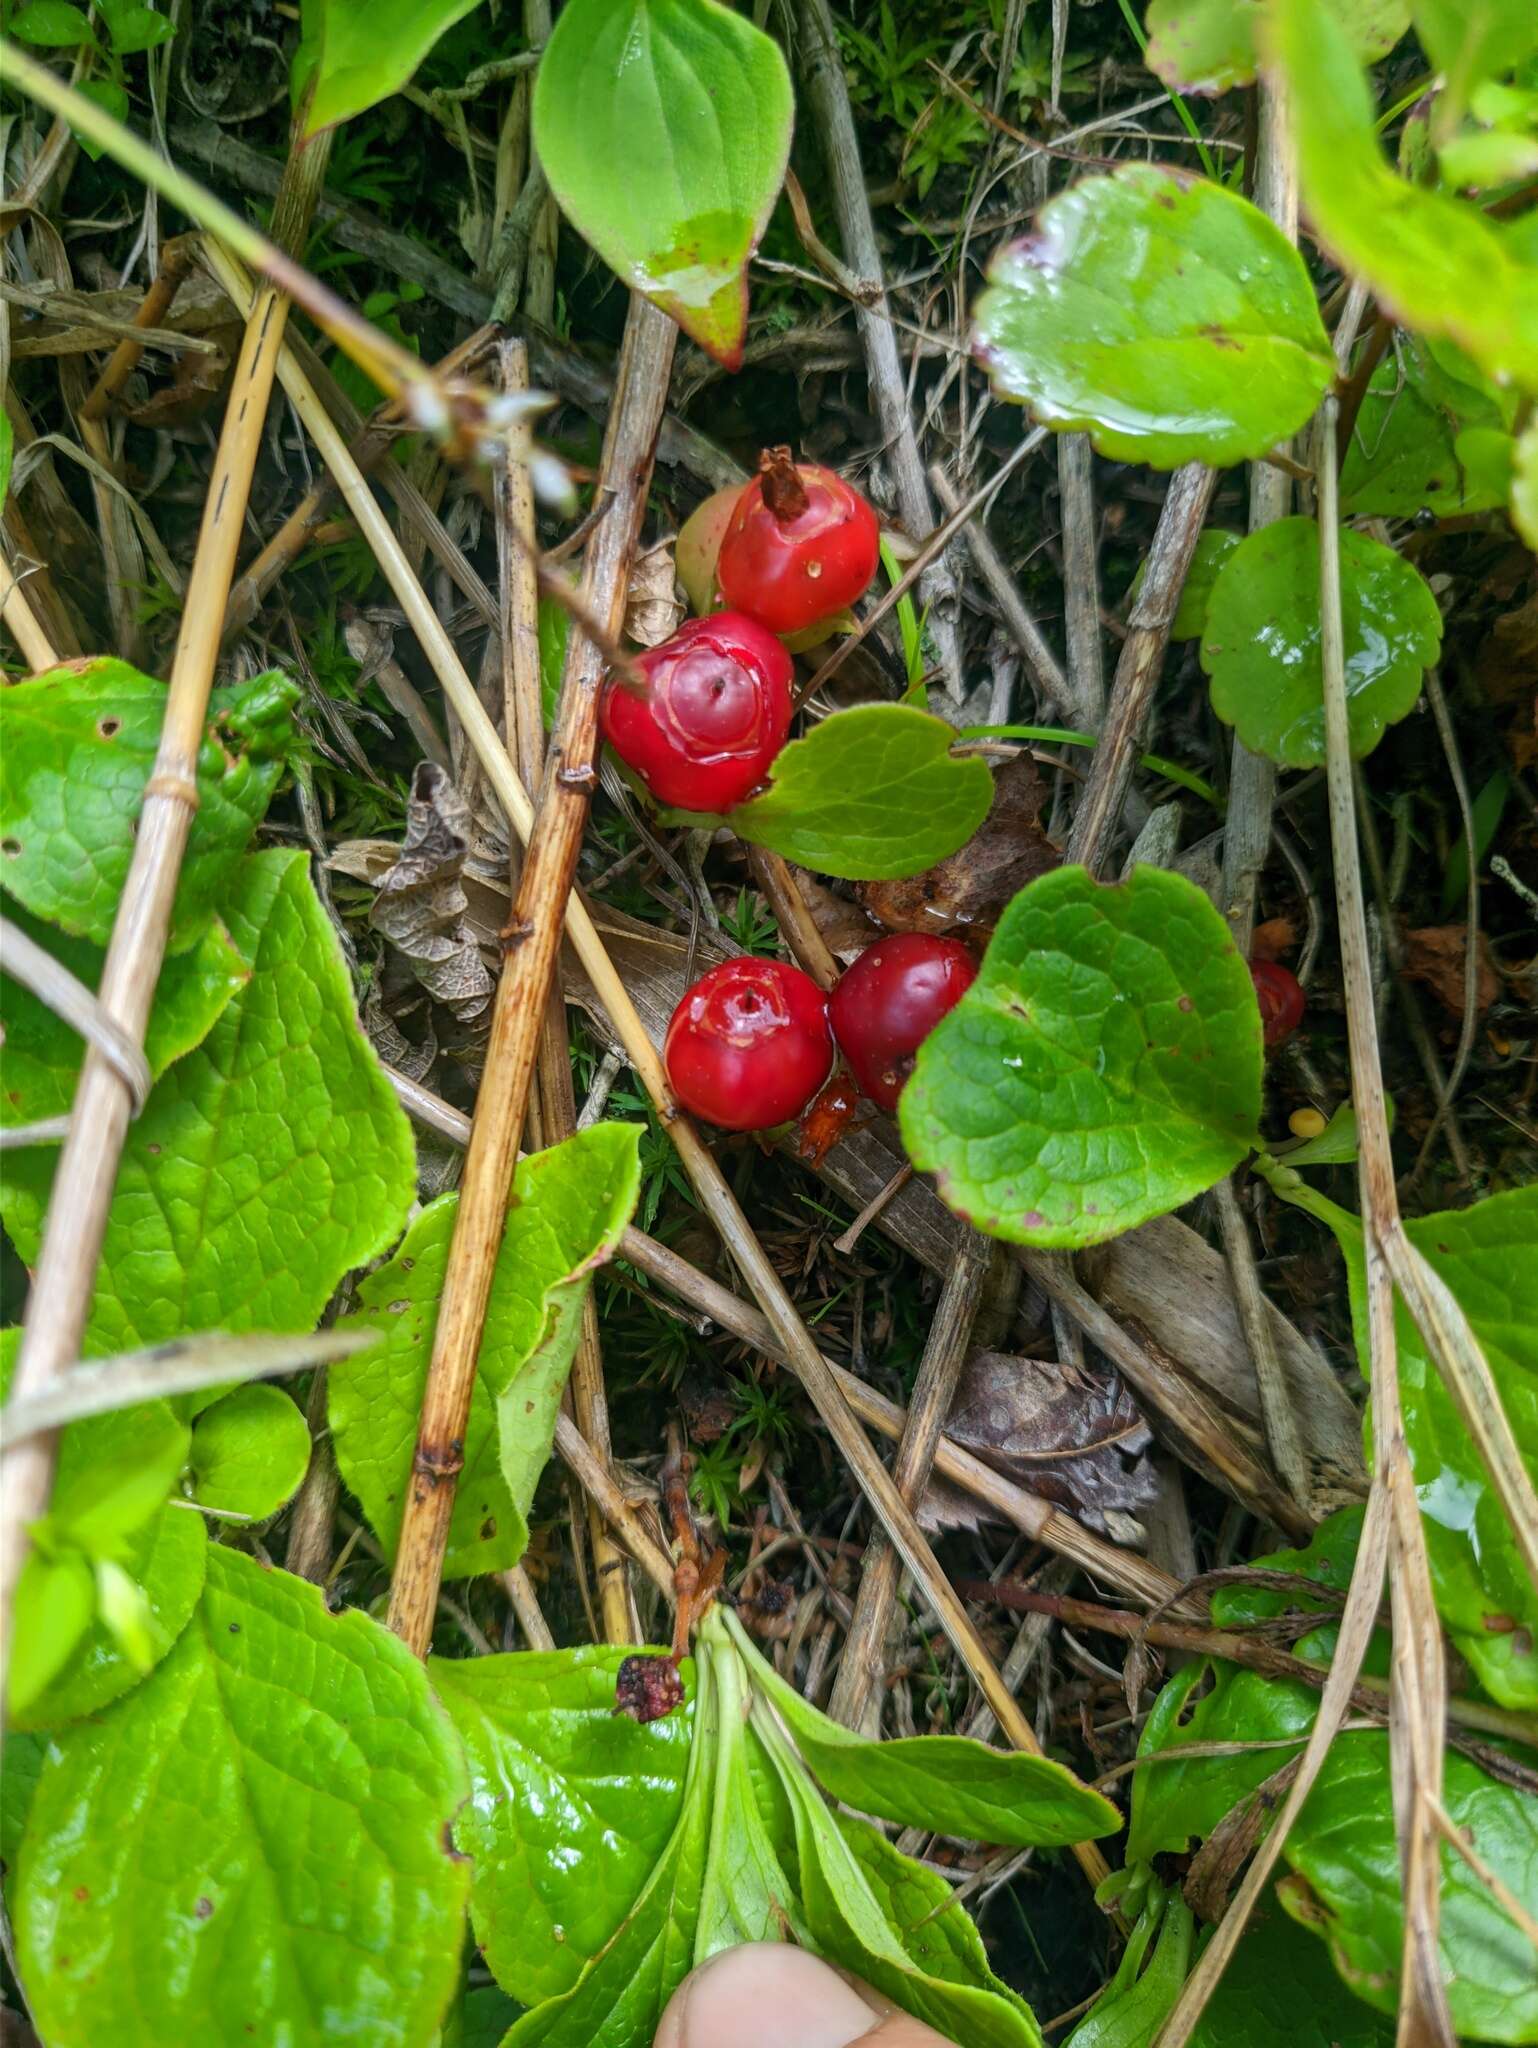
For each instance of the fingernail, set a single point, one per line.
(764, 1996)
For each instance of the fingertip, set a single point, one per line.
(773, 1995)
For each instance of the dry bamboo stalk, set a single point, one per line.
(175, 261)
(553, 1105)
(37, 650)
(710, 1183)
(519, 1588)
(600, 1485)
(523, 989)
(797, 926)
(1081, 577)
(1138, 668)
(856, 1700)
(1032, 1516)
(88, 1162)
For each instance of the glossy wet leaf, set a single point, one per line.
(1261, 648)
(250, 1451)
(1103, 1068)
(21, 1765)
(1431, 436)
(569, 1205)
(869, 794)
(254, 1844)
(1214, 545)
(43, 1055)
(1206, 46)
(1434, 262)
(570, 1806)
(361, 51)
(77, 747)
(1280, 1991)
(694, 108)
(944, 1782)
(1342, 1843)
(1164, 315)
(850, 1926)
(268, 1161)
(166, 1559)
(749, 1893)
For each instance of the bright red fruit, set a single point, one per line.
(748, 1045)
(801, 544)
(889, 1001)
(715, 713)
(1281, 1001)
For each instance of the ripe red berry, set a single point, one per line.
(748, 1045)
(1281, 1001)
(801, 544)
(715, 712)
(889, 1001)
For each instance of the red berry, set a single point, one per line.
(748, 1045)
(890, 1000)
(801, 544)
(715, 712)
(1281, 1001)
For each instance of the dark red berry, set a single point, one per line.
(801, 544)
(1281, 1001)
(748, 1045)
(715, 712)
(647, 1687)
(889, 1001)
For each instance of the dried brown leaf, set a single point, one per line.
(652, 604)
(421, 904)
(1436, 955)
(970, 890)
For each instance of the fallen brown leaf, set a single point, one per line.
(652, 606)
(420, 905)
(1436, 956)
(970, 889)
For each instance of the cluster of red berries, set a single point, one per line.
(713, 707)
(753, 1040)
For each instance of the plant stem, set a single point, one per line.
(62, 1285)
(175, 261)
(533, 938)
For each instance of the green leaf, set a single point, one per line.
(482, 2017)
(1132, 2008)
(944, 1782)
(1103, 1068)
(52, 25)
(250, 1451)
(267, 1162)
(868, 795)
(850, 1926)
(1167, 317)
(745, 1894)
(21, 1765)
(1279, 1991)
(1432, 261)
(55, 1605)
(166, 1558)
(115, 1471)
(361, 51)
(1206, 46)
(1471, 40)
(554, 625)
(570, 1807)
(1336, 1145)
(255, 1843)
(1488, 808)
(43, 1055)
(618, 1999)
(1262, 643)
(694, 106)
(1214, 545)
(111, 97)
(1524, 485)
(77, 747)
(1410, 448)
(136, 29)
(569, 1205)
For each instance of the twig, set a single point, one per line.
(950, 1331)
(1137, 669)
(175, 262)
(312, 1524)
(846, 1241)
(1038, 657)
(1081, 577)
(37, 650)
(797, 926)
(83, 1011)
(519, 1588)
(88, 1163)
(599, 1484)
(533, 937)
(1284, 1439)
(827, 94)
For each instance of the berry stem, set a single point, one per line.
(783, 491)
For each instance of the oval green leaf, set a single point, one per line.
(1104, 1067)
(664, 129)
(870, 794)
(77, 746)
(1206, 46)
(1414, 445)
(1261, 647)
(250, 1450)
(569, 1205)
(361, 51)
(1433, 261)
(1165, 316)
(255, 1843)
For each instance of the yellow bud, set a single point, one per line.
(1305, 1123)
